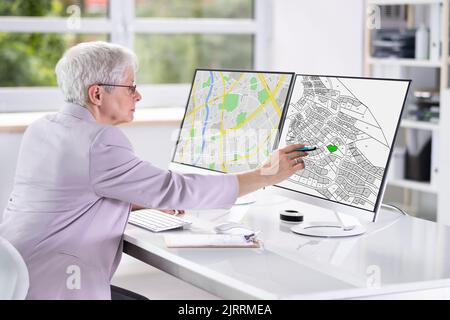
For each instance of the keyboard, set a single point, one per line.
(156, 221)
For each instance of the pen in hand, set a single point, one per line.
(306, 149)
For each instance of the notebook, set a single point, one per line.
(210, 241)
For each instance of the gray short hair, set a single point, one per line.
(89, 63)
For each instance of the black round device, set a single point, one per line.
(291, 216)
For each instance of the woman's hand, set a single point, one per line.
(281, 165)
(173, 212)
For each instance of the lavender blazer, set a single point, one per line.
(74, 183)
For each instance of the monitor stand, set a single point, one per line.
(330, 229)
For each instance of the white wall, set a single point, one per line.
(318, 37)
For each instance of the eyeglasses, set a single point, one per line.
(131, 88)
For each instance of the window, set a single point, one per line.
(170, 37)
(195, 9)
(29, 59)
(172, 58)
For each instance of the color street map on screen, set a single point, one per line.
(232, 119)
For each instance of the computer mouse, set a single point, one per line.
(233, 228)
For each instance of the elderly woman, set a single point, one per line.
(77, 178)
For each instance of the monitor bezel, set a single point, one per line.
(332, 204)
(180, 165)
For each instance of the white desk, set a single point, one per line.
(399, 257)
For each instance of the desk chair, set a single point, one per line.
(14, 279)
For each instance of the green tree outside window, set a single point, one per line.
(28, 59)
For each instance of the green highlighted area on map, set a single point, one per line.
(231, 102)
(240, 118)
(253, 83)
(263, 96)
(332, 148)
(206, 83)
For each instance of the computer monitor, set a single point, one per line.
(353, 122)
(231, 120)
